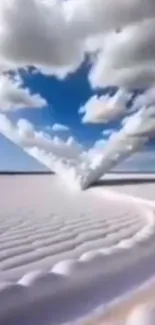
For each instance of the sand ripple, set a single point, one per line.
(56, 243)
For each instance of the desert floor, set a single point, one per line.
(74, 252)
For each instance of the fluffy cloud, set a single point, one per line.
(66, 158)
(131, 46)
(123, 35)
(142, 123)
(140, 76)
(136, 130)
(42, 156)
(144, 100)
(111, 14)
(59, 127)
(105, 108)
(7, 128)
(41, 38)
(95, 153)
(55, 35)
(103, 156)
(135, 133)
(127, 58)
(24, 134)
(13, 96)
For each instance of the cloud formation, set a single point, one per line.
(55, 36)
(123, 35)
(127, 57)
(57, 127)
(134, 134)
(142, 123)
(23, 133)
(14, 96)
(105, 108)
(41, 38)
(144, 100)
(89, 165)
(111, 14)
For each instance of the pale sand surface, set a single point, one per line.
(144, 190)
(119, 314)
(43, 222)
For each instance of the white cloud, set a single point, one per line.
(123, 35)
(92, 164)
(105, 108)
(134, 77)
(14, 96)
(59, 127)
(53, 36)
(127, 58)
(7, 128)
(24, 134)
(25, 129)
(142, 123)
(66, 158)
(111, 14)
(42, 156)
(145, 99)
(133, 45)
(135, 133)
(41, 38)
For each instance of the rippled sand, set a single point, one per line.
(99, 243)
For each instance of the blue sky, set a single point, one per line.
(64, 98)
(112, 85)
(14, 159)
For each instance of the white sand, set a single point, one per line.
(106, 240)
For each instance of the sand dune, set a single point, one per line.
(70, 254)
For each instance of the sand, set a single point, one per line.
(104, 236)
(145, 295)
(120, 313)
